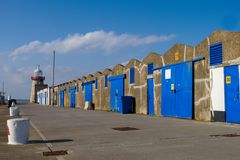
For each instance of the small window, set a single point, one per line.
(106, 81)
(132, 75)
(96, 83)
(150, 68)
(215, 54)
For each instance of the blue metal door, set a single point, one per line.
(61, 98)
(150, 96)
(177, 90)
(184, 90)
(113, 95)
(88, 92)
(232, 91)
(168, 94)
(40, 98)
(116, 92)
(72, 91)
(45, 97)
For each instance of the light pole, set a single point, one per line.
(53, 74)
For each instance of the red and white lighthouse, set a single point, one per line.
(37, 84)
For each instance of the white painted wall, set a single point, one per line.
(38, 97)
(48, 96)
(217, 89)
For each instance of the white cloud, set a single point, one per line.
(18, 79)
(102, 41)
(17, 76)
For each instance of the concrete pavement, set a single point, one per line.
(30, 151)
(89, 135)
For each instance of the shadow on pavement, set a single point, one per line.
(49, 141)
(27, 115)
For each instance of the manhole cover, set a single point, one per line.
(125, 129)
(55, 153)
(225, 135)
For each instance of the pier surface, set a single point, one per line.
(106, 135)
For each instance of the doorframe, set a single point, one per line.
(84, 85)
(113, 78)
(152, 96)
(193, 74)
(225, 91)
(63, 92)
(70, 89)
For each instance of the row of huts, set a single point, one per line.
(196, 82)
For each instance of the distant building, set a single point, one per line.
(37, 84)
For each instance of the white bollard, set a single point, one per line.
(14, 111)
(18, 130)
(88, 106)
(13, 104)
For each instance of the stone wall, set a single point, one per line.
(97, 92)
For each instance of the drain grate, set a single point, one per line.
(125, 129)
(55, 153)
(226, 135)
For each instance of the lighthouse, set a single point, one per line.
(37, 84)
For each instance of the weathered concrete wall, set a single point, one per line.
(56, 97)
(81, 97)
(178, 53)
(67, 95)
(157, 76)
(131, 89)
(105, 96)
(78, 90)
(231, 46)
(97, 99)
(117, 69)
(202, 82)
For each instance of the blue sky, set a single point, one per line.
(91, 35)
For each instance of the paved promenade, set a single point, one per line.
(105, 136)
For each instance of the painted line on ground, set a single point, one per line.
(49, 145)
(41, 135)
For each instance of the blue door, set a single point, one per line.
(232, 91)
(88, 92)
(184, 90)
(116, 92)
(168, 94)
(61, 98)
(177, 90)
(72, 91)
(45, 97)
(40, 98)
(150, 96)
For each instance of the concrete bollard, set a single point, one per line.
(88, 106)
(14, 111)
(18, 130)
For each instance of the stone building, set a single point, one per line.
(195, 82)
